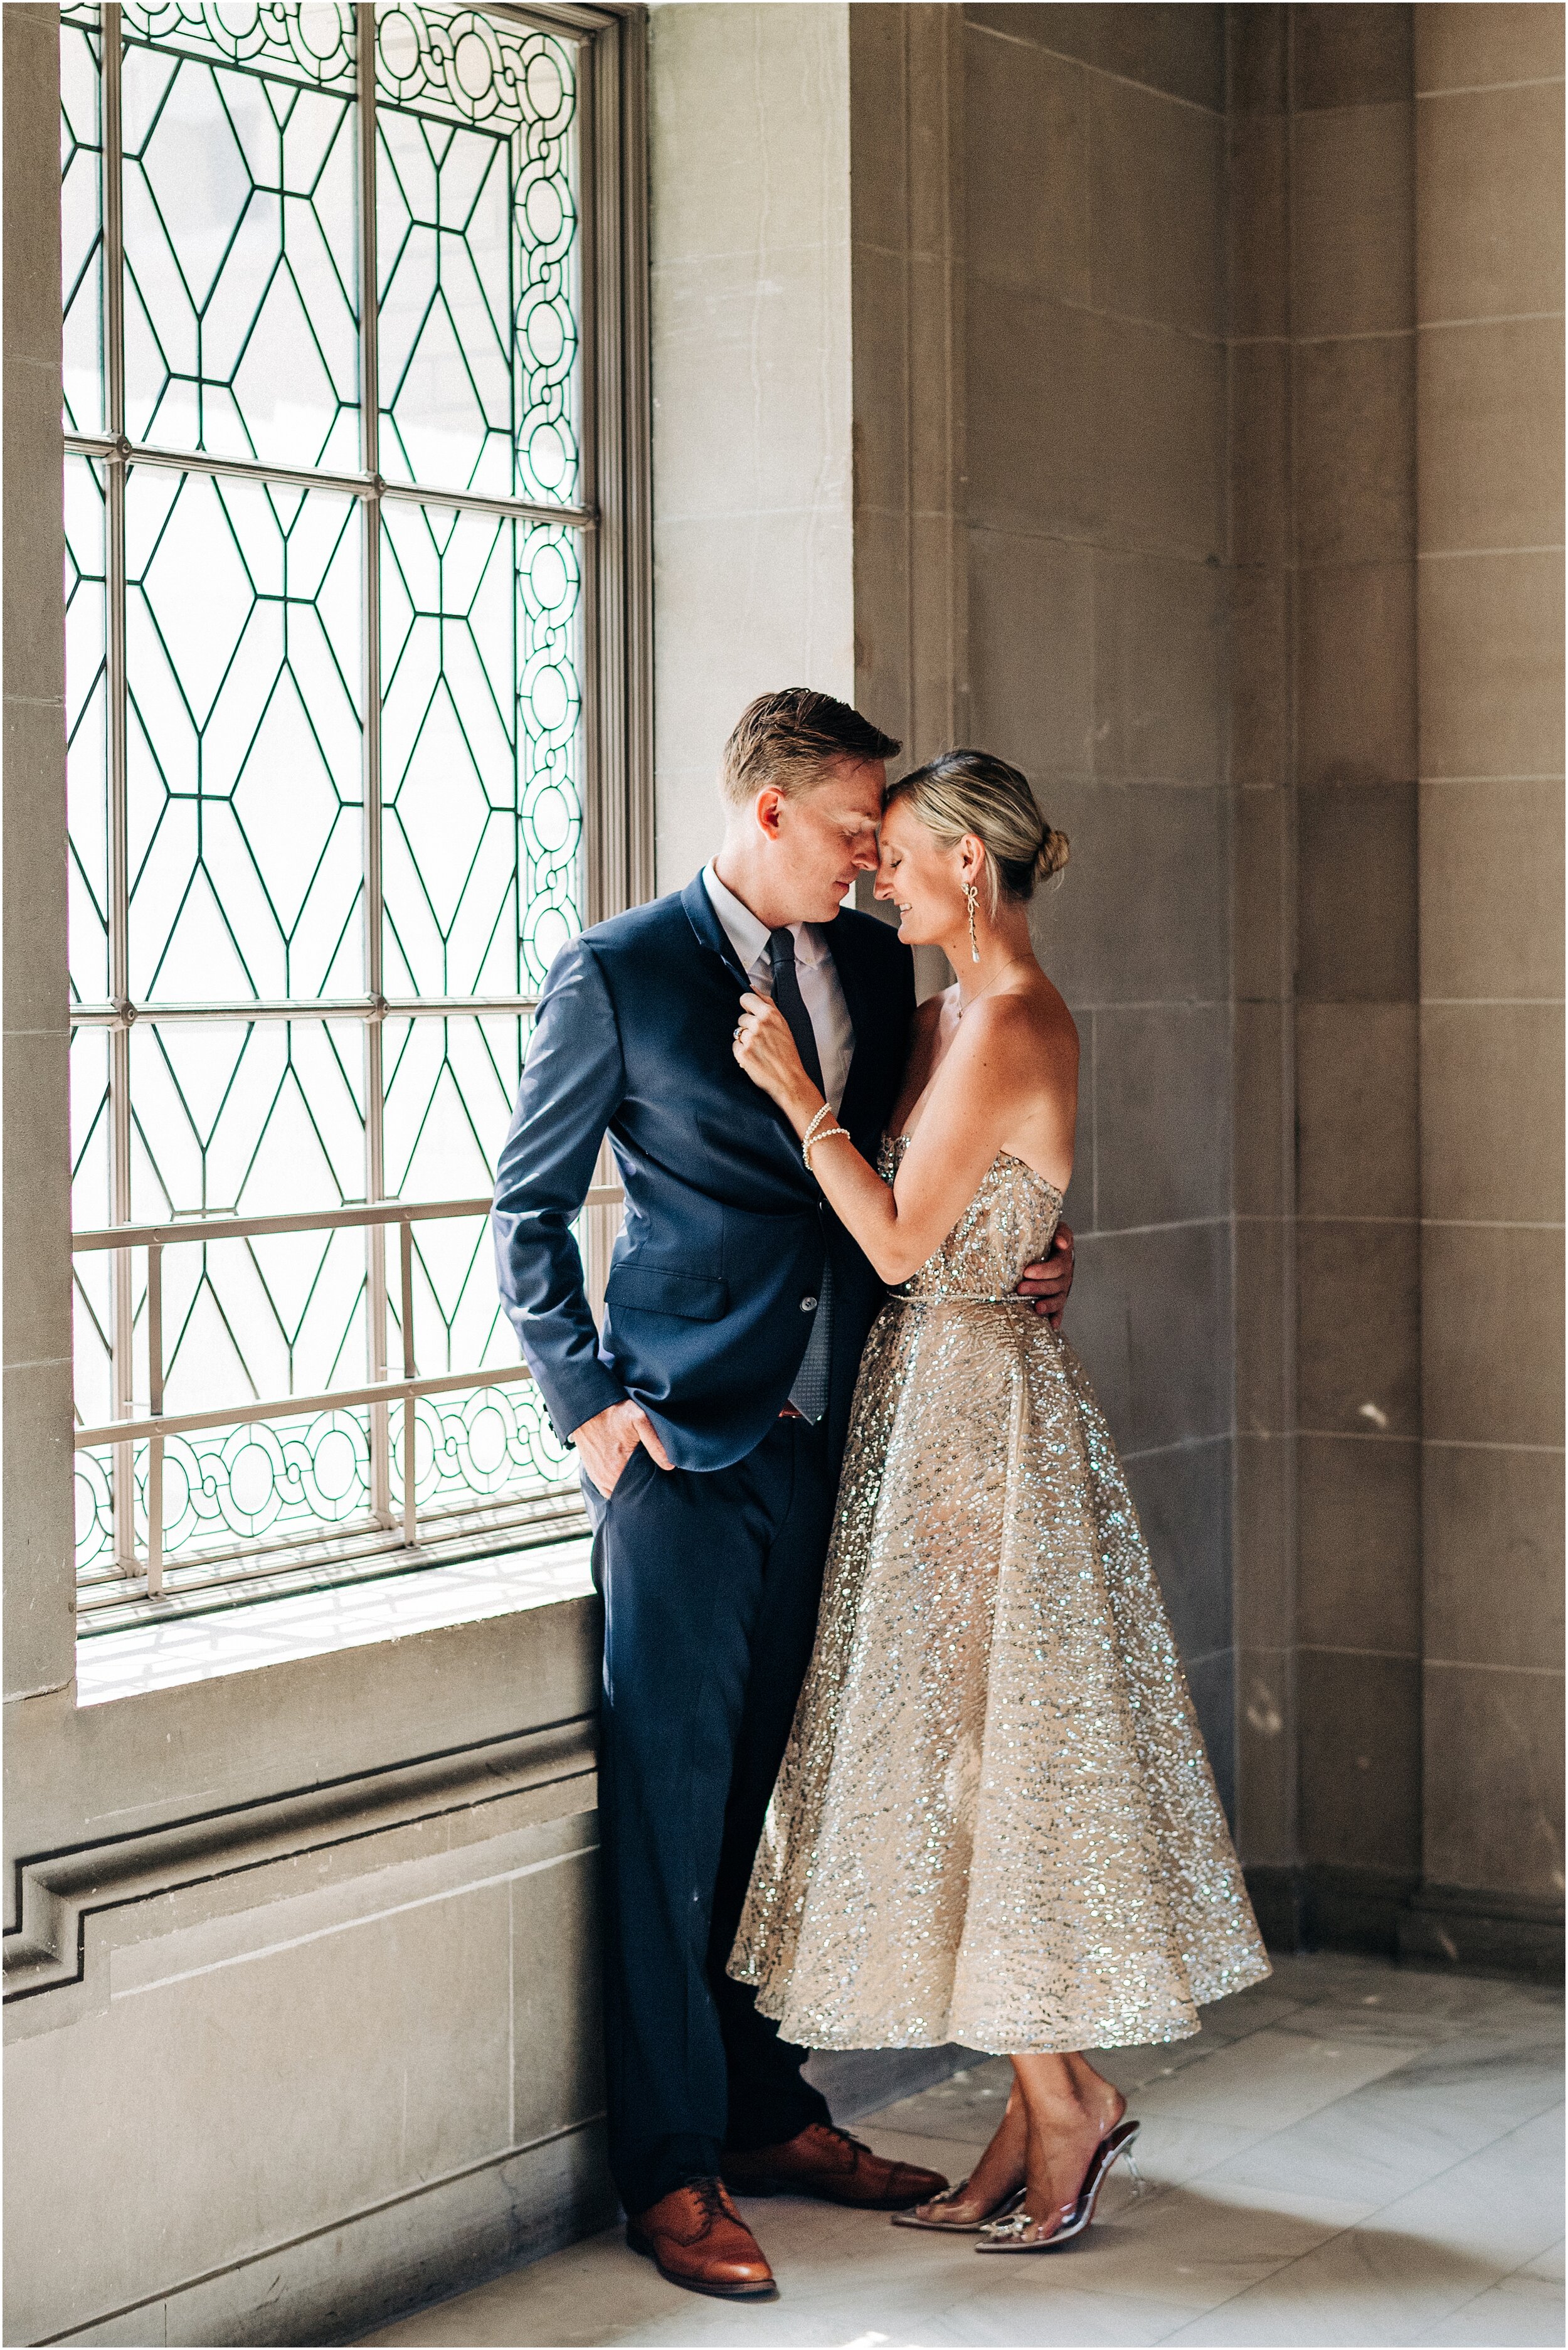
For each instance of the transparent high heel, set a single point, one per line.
(1012, 2234)
(1008, 2204)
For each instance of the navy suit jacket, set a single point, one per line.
(725, 1232)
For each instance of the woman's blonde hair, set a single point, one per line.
(969, 791)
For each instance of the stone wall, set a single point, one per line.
(749, 224)
(1039, 515)
(302, 2021)
(1396, 723)
(1322, 459)
(1489, 408)
(1097, 545)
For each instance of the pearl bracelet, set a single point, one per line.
(827, 1135)
(810, 1135)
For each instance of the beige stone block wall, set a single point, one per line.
(1489, 246)
(302, 2021)
(1329, 1287)
(1039, 518)
(282, 2124)
(1352, 307)
(1396, 619)
(1097, 511)
(1263, 603)
(751, 318)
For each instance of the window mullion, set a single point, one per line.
(122, 1333)
(370, 715)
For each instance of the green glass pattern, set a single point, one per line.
(481, 746)
(81, 218)
(258, 1118)
(87, 744)
(90, 1306)
(313, 43)
(245, 741)
(224, 1489)
(94, 1513)
(243, 775)
(451, 1085)
(477, 252)
(280, 1314)
(485, 1444)
(241, 330)
(450, 1088)
(88, 1078)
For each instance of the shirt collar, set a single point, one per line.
(748, 936)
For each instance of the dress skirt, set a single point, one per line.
(995, 1823)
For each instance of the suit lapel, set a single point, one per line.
(868, 1064)
(712, 936)
(862, 1019)
(710, 930)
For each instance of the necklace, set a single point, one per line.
(962, 1007)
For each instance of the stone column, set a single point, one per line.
(753, 529)
(38, 1546)
(1351, 437)
(1262, 781)
(1489, 214)
(1323, 760)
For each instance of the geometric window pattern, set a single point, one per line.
(325, 585)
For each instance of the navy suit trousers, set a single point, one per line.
(710, 1580)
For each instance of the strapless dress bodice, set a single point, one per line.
(1010, 1222)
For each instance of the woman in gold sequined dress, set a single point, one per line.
(995, 1823)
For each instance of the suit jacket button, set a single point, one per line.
(808, 1305)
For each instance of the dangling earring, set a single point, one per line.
(971, 898)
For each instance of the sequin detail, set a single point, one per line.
(995, 1823)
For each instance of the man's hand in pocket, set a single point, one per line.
(607, 1442)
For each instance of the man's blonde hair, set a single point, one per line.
(786, 739)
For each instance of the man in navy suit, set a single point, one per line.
(709, 1415)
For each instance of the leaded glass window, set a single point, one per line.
(352, 585)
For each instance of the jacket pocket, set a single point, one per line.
(661, 1289)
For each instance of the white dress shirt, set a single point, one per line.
(820, 989)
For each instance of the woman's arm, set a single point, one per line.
(974, 1101)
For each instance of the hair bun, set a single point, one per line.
(1052, 854)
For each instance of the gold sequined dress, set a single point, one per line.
(995, 1823)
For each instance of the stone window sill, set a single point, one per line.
(147, 1657)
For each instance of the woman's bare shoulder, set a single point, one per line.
(1033, 1018)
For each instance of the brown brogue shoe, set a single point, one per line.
(830, 2164)
(695, 2237)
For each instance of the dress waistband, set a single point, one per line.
(958, 1297)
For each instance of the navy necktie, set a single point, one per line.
(809, 1393)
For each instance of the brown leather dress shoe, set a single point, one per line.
(695, 2237)
(829, 2163)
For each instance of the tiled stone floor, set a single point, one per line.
(1349, 2154)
